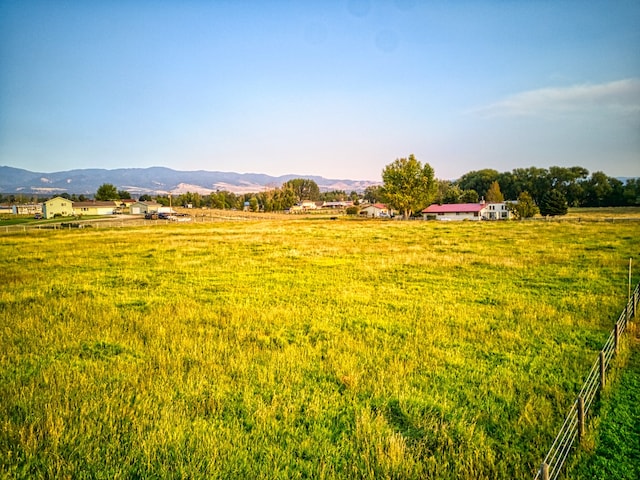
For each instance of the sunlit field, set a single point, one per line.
(300, 348)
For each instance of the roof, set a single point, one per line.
(94, 204)
(380, 206)
(455, 208)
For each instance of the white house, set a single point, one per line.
(455, 211)
(497, 211)
(468, 211)
(304, 206)
(376, 210)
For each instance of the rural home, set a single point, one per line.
(468, 211)
(376, 210)
(497, 211)
(137, 208)
(93, 208)
(304, 206)
(57, 206)
(455, 211)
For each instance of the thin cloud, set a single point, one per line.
(621, 96)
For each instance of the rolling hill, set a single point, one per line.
(154, 181)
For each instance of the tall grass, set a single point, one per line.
(300, 348)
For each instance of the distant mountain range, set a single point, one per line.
(154, 181)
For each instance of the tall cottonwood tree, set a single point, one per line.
(303, 188)
(494, 195)
(408, 185)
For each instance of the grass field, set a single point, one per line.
(612, 448)
(300, 348)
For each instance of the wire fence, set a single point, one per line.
(574, 425)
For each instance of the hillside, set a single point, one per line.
(154, 180)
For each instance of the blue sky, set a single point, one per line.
(332, 88)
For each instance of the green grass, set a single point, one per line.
(615, 442)
(300, 348)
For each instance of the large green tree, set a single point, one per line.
(106, 192)
(478, 180)
(408, 185)
(525, 207)
(553, 203)
(303, 188)
(469, 196)
(569, 182)
(373, 193)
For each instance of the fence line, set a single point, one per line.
(116, 223)
(574, 425)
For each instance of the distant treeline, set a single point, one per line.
(578, 187)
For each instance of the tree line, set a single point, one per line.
(575, 184)
(269, 200)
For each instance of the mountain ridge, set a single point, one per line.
(156, 181)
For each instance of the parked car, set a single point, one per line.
(38, 216)
(151, 216)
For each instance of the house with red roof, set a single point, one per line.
(455, 211)
(376, 210)
(467, 211)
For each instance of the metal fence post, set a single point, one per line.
(580, 418)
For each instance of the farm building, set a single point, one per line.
(57, 206)
(93, 208)
(137, 208)
(27, 209)
(376, 210)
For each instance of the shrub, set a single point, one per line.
(352, 210)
